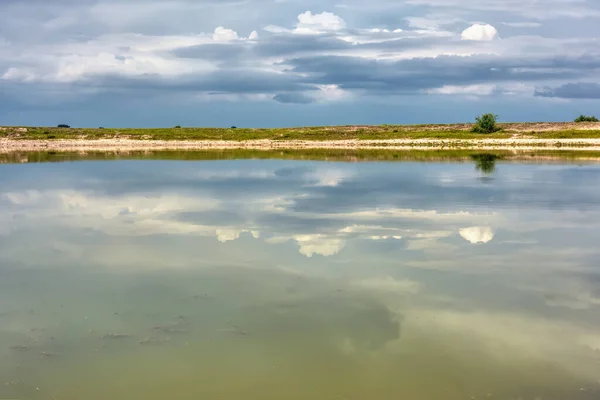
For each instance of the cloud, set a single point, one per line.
(431, 21)
(477, 90)
(477, 234)
(293, 98)
(478, 32)
(389, 285)
(579, 300)
(394, 225)
(319, 244)
(414, 75)
(513, 336)
(329, 177)
(580, 90)
(319, 94)
(230, 234)
(539, 10)
(309, 23)
(223, 34)
(483, 89)
(523, 24)
(132, 215)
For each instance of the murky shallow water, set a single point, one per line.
(299, 280)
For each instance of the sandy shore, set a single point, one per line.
(10, 145)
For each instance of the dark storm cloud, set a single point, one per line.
(582, 90)
(422, 73)
(222, 81)
(280, 45)
(223, 52)
(276, 45)
(302, 74)
(288, 45)
(293, 98)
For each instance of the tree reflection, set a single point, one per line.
(485, 162)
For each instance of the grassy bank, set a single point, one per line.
(456, 131)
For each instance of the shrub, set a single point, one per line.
(234, 127)
(586, 118)
(486, 123)
(177, 126)
(63, 126)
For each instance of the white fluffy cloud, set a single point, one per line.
(123, 54)
(309, 23)
(478, 32)
(319, 244)
(230, 234)
(477, 234)
(312, 24)
(224, 34)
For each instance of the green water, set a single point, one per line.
(299, 280)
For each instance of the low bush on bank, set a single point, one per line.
(586, 118)
(486, 123)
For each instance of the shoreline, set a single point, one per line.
(15, 145)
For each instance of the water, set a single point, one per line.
(299, 280)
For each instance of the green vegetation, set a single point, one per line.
(486, 123)
(586, 118)
(241, 134)
(323, 133)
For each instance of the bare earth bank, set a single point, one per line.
(8, 145)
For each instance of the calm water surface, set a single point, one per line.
(299, 280)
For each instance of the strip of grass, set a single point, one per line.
(242, 134)
(384, 132)
(565, 134)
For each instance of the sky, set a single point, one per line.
(268, 63)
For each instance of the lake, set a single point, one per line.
(285, 279)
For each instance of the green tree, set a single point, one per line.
(486, 123)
